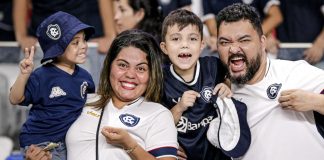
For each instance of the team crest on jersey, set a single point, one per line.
(129, 120)
(206, 93)
(53, 31)
(83, 89)
(273, 90)
(57, 92)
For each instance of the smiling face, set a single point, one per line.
(129, 75)
(125, 17)
(183, 47)
(242, 50)
(75, 52)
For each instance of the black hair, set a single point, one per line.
(240, 11)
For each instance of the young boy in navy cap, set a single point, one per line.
(58, 89)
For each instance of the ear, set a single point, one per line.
(139, 15)
(163, 48)
(203, 44)
(263, 42)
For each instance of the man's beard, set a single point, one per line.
(252, 67)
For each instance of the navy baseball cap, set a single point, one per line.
(56, 32)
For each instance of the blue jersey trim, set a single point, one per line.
(163, 151)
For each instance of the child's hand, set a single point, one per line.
(223, 90)
(27, 64)
(188, 99)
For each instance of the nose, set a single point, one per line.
(131, 73)
(235, 48)
(117, 15)
(184, 44)
(84, 44)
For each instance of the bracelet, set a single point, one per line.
(130, 150)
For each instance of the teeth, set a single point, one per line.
(237, 58)
(128, 85)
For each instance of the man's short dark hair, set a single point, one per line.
(240, 11)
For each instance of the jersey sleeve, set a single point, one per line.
(311, 80)
(162, 136)
(230, 131)
(306, 76)
(92, 86)
(32, 90)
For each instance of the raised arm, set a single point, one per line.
(26, 66)
(20, 8)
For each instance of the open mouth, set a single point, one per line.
(184, 55)
(237, 63)
(128, 85)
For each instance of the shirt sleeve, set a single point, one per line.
(307, 77)
(162, 136)
(31, 91)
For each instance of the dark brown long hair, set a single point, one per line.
(148, 45)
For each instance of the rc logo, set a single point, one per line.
(273, 90)
(206, 93)
(83, 89)
(57, 92)
(129, 120)
(53, 31)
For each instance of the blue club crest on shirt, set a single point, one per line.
(273, 90)
(129, 120)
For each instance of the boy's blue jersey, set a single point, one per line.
(57, 99)
(194, 122)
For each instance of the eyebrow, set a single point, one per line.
(128, 62)
(240, 38)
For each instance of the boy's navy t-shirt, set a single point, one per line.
(194, 122)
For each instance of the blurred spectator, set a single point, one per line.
(303, 22)
(268, 9)
(170, 5)
(100, 15)
(8, 53)
(105, 31)
(6, 28)
(40, 9)
(138, 14)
